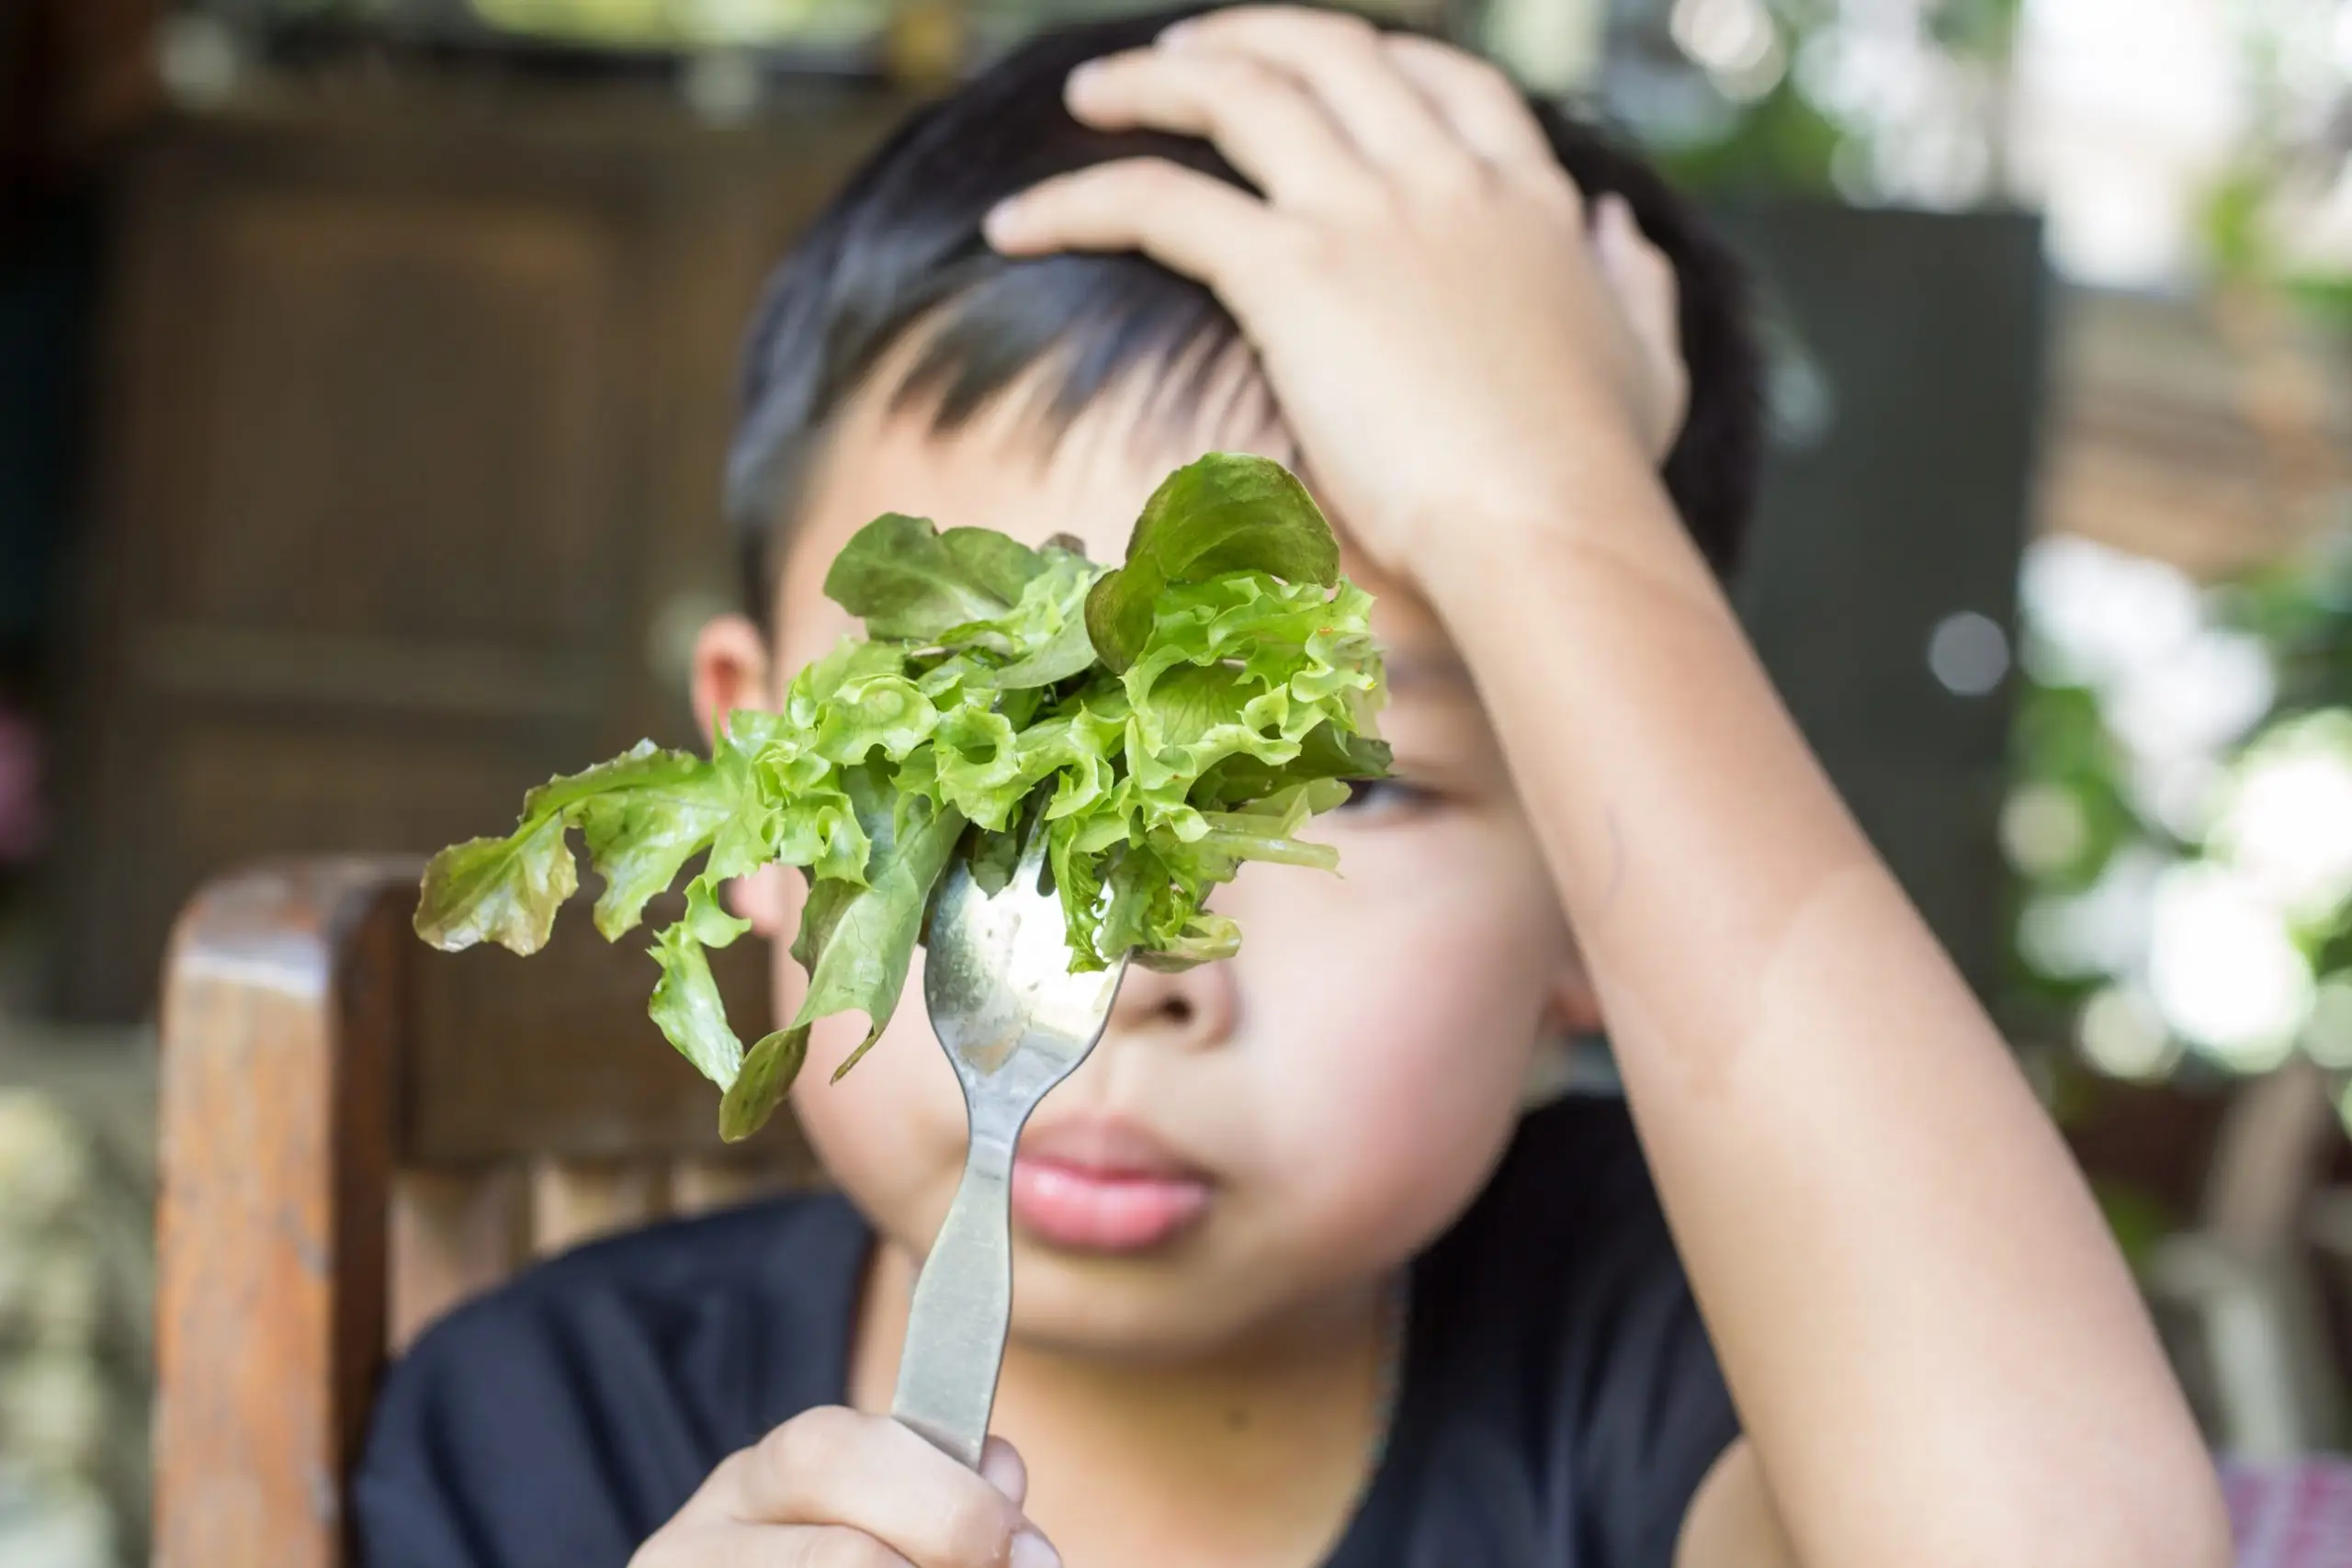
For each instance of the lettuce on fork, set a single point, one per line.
(1161, 724)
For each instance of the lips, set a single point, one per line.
(1103, 1186)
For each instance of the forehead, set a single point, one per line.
(1006, 468)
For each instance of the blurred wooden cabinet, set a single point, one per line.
(408, 483)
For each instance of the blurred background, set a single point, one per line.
(366, 367)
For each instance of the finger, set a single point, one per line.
(1340, 59)
(1643, 276)
(1003, 1468)
(826, 1546)
(1650, 297)
(1265, 122)
(1188, 221)
(868, 1473)
(730, 1543)
(1476, 99)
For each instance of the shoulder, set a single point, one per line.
(783, 1246)
(564, 1416)
(1557, 1319)
(775, 1272)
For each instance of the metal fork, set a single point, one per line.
(1014, 1021)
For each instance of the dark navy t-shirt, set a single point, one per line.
(1559, 1407)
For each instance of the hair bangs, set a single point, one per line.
(1080, 325)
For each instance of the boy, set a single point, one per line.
(1300, 1278)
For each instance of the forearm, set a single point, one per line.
(1935, 1348)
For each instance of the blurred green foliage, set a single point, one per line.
(1785, 141)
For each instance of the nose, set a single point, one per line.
(1191, 1009)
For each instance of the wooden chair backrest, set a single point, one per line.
(358, 1132)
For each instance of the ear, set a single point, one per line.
(1572, 1008)
(732, 670)
(1573, 1005)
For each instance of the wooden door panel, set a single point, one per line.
(414, 426)
(246, 791)
(218, 792)
(411, 424)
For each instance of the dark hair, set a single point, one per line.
(900, 244)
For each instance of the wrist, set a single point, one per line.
(1605, 508)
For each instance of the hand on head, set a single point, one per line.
(1442, 319)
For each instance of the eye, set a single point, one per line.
(1384, 797)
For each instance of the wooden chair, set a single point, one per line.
(357, 1132)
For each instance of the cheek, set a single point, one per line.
(1392, 1014)
(890, 1133)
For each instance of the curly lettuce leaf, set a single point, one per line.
(1165, 723)
(1047, 641)
(855, 943)
(857, 960)
(1222, 513)
(1243, 709)
(508, 890)
(686, 1004)
(905, 578)
(640, 839)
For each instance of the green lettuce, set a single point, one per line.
(1161, 724)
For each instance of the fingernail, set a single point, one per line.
(1031, 1549)
(1180, 33)
(1001, 1468)
(1002, 225)
(1083, 74)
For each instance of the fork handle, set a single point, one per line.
(962, 1300)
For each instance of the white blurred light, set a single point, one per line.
(2312, 231)
(2102, 929)
(63, 1523)
(1968, 653)
(2042, 830)
(1728, 37)
(2097, 612)
(2178, 793)
(1945, 166)
(1859, 73)
(2193, 697)
(738, 22)
(2120, 1032)
(2288, 824)
(2049, 942)
(1750, 83)
(2223, 969)
(1875, 64)
(2327, 1036)
(198, 59)
(2174, 691)
(2124, 113)
(722, 87)
(1551, 46)
(2299, 43)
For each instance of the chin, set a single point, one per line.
(1104, 1322)
(1172, 1304)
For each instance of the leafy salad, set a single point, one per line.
(1160, 723)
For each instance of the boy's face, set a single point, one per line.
(1251, 1140)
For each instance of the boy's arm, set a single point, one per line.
(1732, 1522)
(1937, 1354)
(1916, 1302)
